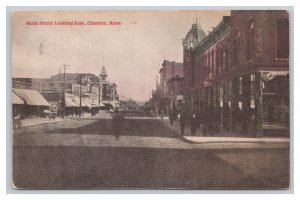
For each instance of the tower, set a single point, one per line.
(103, 75)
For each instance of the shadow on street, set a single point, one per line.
(131, 127)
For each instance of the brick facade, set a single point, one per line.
(237, 76)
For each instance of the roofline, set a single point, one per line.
(224, 21)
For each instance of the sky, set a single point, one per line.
(131, 51)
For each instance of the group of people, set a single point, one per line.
(183, 117)
(196, 119)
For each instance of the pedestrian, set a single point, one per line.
(162, 116)
(205, 121)
(171, 117)
(181, 117)
(117, 123)
(193, 123)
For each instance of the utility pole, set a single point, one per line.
(109, 91)
(60, 91)
(99, 102)
(80, 94)
(63, 96)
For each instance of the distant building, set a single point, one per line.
(175, 89)
(171, 76)
(169, 70)
(85, 89)
(109, 95)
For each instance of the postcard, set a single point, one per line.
(151, 99)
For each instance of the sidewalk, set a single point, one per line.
(101, 115)
(225, 137)
(36, 121)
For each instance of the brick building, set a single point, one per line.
(237, 77)
(171, 83)
(169, 70)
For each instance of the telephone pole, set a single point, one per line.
(60, 91)
(80, 94)
(99, 103)
(63, 95)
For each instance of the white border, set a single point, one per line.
(150, 3)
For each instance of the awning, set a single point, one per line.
(16, 99)
(269, 75)
(94, 103)
(31, 97)
(85, 102)
(70, 100)
(110, 105)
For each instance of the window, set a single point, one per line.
(283, 38)
(241, 85)
(208, 65)
(236, 48)
(203, 68)
(226, 59)
(249, 40)
(252, 91)
(221, 60)
(213, 63)
(217, 61)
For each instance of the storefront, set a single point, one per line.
(34, 103)
(275, 101)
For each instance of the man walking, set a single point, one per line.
(193, 123)
(162, 116)
(171, 117)
(181, 117)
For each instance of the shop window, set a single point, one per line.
(283, 38)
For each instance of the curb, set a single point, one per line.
(237, 142)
